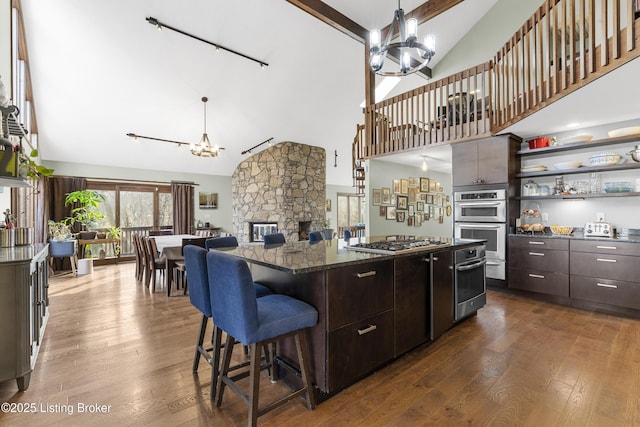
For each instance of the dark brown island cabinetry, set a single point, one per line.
(485, 161)
(539, 265)
(412, 300)
(442, 301)
(24, 310)
(606, 272)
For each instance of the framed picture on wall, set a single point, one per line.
(386, 196)
(208, 200)
(413, 182)
(412, 209)
(392, 201)
(376, 197)
(400, 216)
(424, 185)
(391, 212)
(413, 194)
(383, 211)
(429, 199)
(403, 202)
(410, 220)
(404, 186)
(433, 186)
(420, 206)
(396, 186)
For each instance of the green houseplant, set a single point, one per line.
(86, 208)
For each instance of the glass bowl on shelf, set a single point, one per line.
(563, 230)
(617, 187)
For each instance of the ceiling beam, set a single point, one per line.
(332, 17)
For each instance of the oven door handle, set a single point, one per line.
(471, 266)
(467, 225)
(480, 204)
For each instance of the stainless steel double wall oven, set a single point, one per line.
(483, 214)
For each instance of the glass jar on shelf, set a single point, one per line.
(531, 218)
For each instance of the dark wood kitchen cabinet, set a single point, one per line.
(442, 306)
(485, 161)
(412, 301)
(360, 313)
(539, 265)
(606, 272)
(24, 309)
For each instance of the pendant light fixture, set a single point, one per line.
(410, 50)
(204, 147)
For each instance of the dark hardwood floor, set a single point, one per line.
(110, 342)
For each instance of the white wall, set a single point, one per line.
(381, 174)
(221, 217)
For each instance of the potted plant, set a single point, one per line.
(30, 168)
(327, 231)
(115, 233)
(86, 211)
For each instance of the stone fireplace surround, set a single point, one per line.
(286, 184)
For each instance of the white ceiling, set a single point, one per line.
(99, 71)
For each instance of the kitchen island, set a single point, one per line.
(372, 307)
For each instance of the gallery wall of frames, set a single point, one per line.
(414, 200)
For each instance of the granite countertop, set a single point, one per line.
(304, 257)
(21, 253)
(577, 234)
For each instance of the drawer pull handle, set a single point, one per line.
(606, 247)
(536, 254)
(605, 260)
(536, 276)
(606, 285)
(368, 329)
(536, 243)
(367, 274)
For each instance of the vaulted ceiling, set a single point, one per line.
(100, 71)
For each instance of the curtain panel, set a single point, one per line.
(183, 207)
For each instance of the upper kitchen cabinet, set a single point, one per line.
(485, 161)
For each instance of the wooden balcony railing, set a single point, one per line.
(565, 45)
(562, 47)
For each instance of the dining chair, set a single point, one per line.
(270, 239)
(155, 263)
(315, 236)
(347, 235)
(178, 268)
(140, 257)
(255, 322)
(221, 242)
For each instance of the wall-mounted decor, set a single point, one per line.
(392, 200)
(403, 202)
(400, 216)
(383, 211)
(413, 195)
(420, 206)
(391, 212)
(328, 205)
(448, 210)
(208, 200)
(413, 182)
(424, 185)
(412, 209)
(386, 196)
(410, 220)
(433, 186)
(429, 199)
(396, 186)
(404, 186)
(376, 197)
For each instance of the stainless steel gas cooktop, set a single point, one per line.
(390, 247)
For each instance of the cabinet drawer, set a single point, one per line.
(605, 291)
(358, 292)
(532, 242)
(357, 349)
(539, 259)
(543, 282)
(606, 247)
(606, 266)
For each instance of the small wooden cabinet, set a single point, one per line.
(606, 272)
(484, 161)
(539, 265)
(24, 310)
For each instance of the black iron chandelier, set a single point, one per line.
(413, 55)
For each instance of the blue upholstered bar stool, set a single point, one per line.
(270, 239)
(255, 322)
(315, 236)
(200, 297)
(347, 235)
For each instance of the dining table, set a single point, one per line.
(170, 249)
